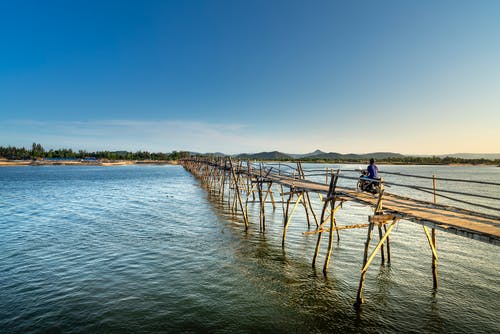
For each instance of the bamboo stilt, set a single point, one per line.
(249, 179)
(330, 237)
(245, 217)
(272, 195)
(303, 202)
(229, 187)
(262, 214)
(434, 261)
(318, 241)
(282, 199)
(433, 240)
(379, 245)
(359, 297)
(388, 246)
(432, 243)
(382, 255)
(289, 217)
(302, 176)
(248, 197)
(285, 217)
(235, 199)
(434, 186)
(331, 191)
(311, 208)
(367, 260)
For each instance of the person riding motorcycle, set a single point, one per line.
(372, 170)
(369, 180)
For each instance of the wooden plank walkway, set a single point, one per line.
(450, 219)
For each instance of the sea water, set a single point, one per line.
(145, 249)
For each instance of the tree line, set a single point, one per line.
(37, 151)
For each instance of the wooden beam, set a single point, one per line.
(337, 228)
(381, 242)
(381, 218)
(289, 218)
(359, 297)
(238, 195)
(431, 244)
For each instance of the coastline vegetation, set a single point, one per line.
(37, 152)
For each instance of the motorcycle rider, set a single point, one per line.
(372, 170)
(372, 182)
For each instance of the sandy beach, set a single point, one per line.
(5, 163)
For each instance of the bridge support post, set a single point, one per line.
(432, 243)
(270, 192)
(288, 216)
(382, 253)
(380, 219)
(330, 236)
(312, 209)
(262, 214)
(238, 195)
(388, 246)
(329, 198)
(359, 297)
(302, 176)
(434, 261)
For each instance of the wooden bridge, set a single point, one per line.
(238, 182)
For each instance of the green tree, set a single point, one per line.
(37, 151)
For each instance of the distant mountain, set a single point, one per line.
(274, 155)
(307, 155)
(320, 155)
(353, 156)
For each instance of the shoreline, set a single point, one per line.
(11, 163)
(104, 162)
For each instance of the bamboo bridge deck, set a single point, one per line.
(237, 182)
(471, 224)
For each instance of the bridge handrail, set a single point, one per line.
(438, 192)
(308, 173)
(412, 175)
(287, 172)
(462, 201)
(442, 178)
(441, 190)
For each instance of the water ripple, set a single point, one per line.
(145, 249)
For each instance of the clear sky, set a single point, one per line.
(414, 77)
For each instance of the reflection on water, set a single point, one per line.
(145, 249)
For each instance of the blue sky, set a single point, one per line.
(415, 77)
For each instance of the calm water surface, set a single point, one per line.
(146, 249)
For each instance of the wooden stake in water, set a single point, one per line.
(433, 239)
(434, 185)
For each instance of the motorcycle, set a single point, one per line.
(368, 184)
